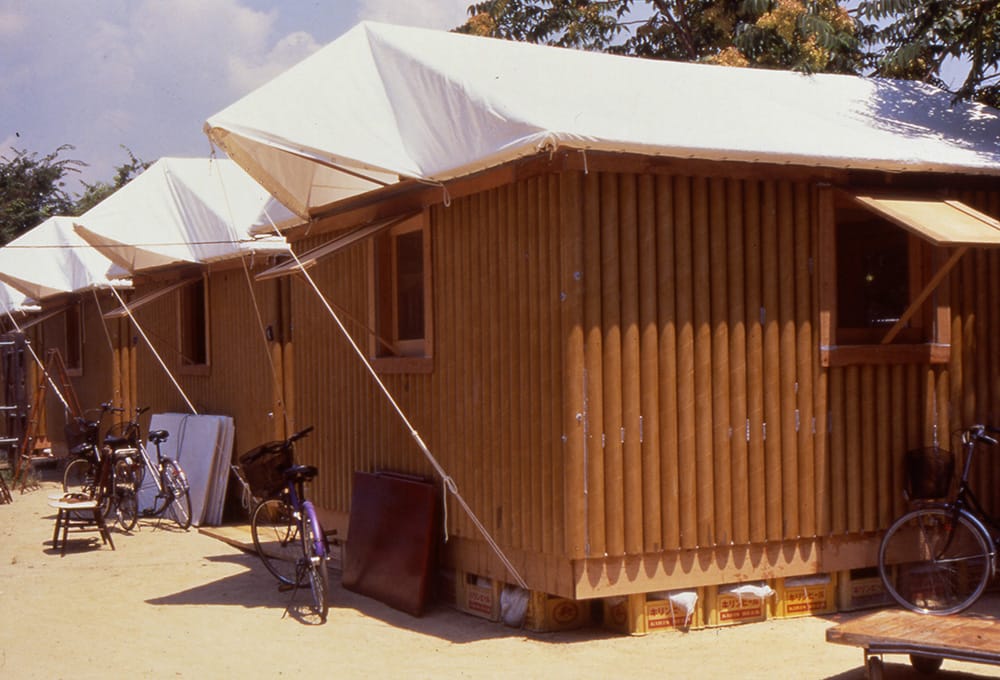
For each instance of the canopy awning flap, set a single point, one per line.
(119, 312)
(13, 300)
(940, 221)
(41, 317)
(311, 257)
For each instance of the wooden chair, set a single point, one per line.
(83, 512)
(5, 496)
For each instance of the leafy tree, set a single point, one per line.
(565, 23)
(918, 39)
(809, 35)
(98, 191)
(32, 189)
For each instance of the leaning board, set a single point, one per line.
(203, 447)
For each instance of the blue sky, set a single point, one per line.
(145, 74)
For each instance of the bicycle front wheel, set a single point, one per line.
(177, 490)
(275, 533)
(935, 561)
(314, 550)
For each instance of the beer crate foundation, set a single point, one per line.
(470, 593)
(807, 595)
(739, 603)
(642, 613)
(548, 613)
(861, 589)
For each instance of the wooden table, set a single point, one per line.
(926, 638)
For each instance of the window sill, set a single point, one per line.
(851, 355)
(403, 364)
(199, 369)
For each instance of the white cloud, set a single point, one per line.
(105, 73)
(145, 74)
(11, 22)
(248, 71)
(8, 143)
(442, 14)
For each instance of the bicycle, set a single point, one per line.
(173, 495)
(286, 532)
(119, 496)
(939, 557)
(82, 435)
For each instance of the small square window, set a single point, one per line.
(878, 303)
(73, 357)
(193, 324)
(401, 296)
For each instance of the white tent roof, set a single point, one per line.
(51, 259)
(12, 300)
(185, 210)
(385, 100)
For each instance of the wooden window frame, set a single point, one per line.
(73, 326)
(925, 288)
(414, 356)
(189, 366)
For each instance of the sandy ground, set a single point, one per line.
(173, 604)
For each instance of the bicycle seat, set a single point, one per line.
(157, 436)
(116, 442)
(300, 473)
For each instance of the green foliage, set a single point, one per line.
(32, 189)
(815, 35)
(565, 23)
(97, 192)
(917, 39)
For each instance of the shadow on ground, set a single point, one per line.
(255, 587)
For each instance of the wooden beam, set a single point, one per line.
(610, 577)
(924, 294)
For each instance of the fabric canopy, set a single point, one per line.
(385, 101)
(942, 222)
(183, 210)
(13, 300)
(51, 259)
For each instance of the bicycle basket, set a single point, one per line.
(263, 467)
(928, 472)
(80, 434)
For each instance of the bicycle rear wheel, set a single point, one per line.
(935, 561)
(314, 550)
(78, 477)
(275, 533)
(125, 505)
(177, 488)
(127, 509)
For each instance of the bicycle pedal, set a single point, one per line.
(285, 587)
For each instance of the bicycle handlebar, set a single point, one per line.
(299, 435)
(100, 410)
(108, 408)
(979, 433)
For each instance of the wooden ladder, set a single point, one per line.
(54, 374)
